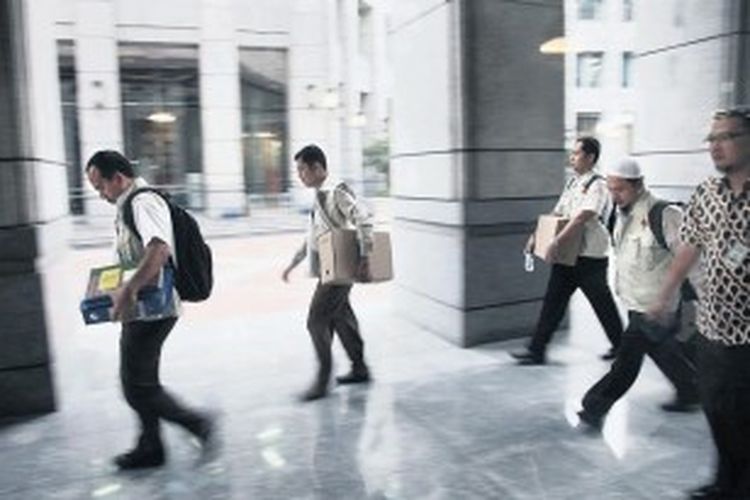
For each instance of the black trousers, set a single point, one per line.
(724, 384)
(635, 345)
(140, 353)
(330, 311)
(590, 275)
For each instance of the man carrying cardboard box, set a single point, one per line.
(114, 178)
(334, 208)
(585, 203)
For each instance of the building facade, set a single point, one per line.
(212, 97)
(599, 73)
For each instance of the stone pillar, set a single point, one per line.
(98, 84)
(220, 110)
(33, 203)
(351, 131)
(477, 154)
(314, 96)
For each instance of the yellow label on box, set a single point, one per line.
(109, 279)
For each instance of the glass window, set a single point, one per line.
(263, 85)
(590, 9)
(589, 69)
(627, 69)
(161, 114)
(627, 10)
(586, 123)
(69, 101)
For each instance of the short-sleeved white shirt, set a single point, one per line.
(581, 193)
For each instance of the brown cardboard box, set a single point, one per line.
(547, 228)
(339, 257)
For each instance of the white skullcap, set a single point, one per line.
(627, 168)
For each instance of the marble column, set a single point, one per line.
(477, 154)
(98, 84)
(220, 110)
(33, 205)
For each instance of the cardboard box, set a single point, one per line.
(339, 257)
(549, 226)
(154, 300)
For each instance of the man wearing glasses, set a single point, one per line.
(716, 227)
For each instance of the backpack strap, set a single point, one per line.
(127, 207)
(591, 181)
(321, 203)
(655, 222)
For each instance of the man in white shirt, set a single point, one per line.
(114, 178)
(585, 202)
(330, 310)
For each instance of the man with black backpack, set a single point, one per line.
(145, 241)
(330, 311)
(643, 234)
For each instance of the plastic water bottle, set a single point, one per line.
(528, 262)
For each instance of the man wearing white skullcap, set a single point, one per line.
(643, 253)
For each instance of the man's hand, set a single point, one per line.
(658, 313)
(285, 274)
(529, 248)
(552, 252)
(123, 300)
(363, 270)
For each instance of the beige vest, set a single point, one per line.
(641, 263)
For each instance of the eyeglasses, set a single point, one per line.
(723, 137)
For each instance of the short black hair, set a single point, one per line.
(590, 146)
(742, 113)
(108, 162)
(311, 154)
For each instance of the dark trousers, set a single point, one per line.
(724, 384)
(330, 311)
(667, 355)
(590, 275)
(140, 352)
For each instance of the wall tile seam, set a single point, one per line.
(171, 27)
(418, 17)
(476, 230)
(516, 150)
(503, 304)
(669, 152)
(475, 202)
(689, 43)
(46, 363)
(32, 226)
(31, 159)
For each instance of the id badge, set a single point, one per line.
(736, 254)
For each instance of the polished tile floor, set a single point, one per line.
(438, 422)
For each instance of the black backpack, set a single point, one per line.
(194, 273)
(655, 218)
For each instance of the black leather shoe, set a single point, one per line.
(609, 355)
(589, 423)
(140, 458)
(207, 436)
(354, 377)
(316, 391)
(527, 358)
(681, 405)
(706, 492)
